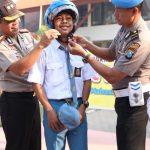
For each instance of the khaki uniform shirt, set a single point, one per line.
(11, 51)
(132, 49)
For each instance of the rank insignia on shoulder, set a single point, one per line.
(134, 35)
(77, 72)
(132, 50)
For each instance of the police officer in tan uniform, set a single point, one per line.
(19, 109)
(130, 76)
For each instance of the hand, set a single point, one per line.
(76, 49)
(80, 40)
(53, 121)
(47, 37)
(82, 112)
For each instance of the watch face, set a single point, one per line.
(85, 103)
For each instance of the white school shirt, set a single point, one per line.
(51, 72)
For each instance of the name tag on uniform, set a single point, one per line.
(136, 97)
(77, 72)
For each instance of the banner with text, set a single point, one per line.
(101, 92)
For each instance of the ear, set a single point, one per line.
(135, 10)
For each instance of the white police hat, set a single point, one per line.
(126, 3)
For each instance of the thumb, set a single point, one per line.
(71, 43)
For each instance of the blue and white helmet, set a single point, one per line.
(58, 6)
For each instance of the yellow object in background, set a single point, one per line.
(101, 96)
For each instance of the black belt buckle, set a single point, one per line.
(68, 100)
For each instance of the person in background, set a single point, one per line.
(130, 76)
(19, 108)
(51, 80)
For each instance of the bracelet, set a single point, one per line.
(86, 57)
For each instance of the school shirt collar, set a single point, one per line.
(56, 45)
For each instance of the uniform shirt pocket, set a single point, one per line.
(55, 73)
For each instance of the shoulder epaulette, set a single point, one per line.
(134, 35)
(2, 37)
(24, 31)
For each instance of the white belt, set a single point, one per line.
(124, 92)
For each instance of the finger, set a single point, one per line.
(56, 33)
(54, 30)
(54, 36)
(53, 126)
(74, 38)
(49, 125)
(69, 47)
(57, 127)
(61, 126)
(71, 43)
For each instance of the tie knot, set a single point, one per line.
(63, 49)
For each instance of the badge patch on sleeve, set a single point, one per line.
(132, 50)
(77, 72)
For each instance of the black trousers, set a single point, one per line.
(21, 122)
(131, 124)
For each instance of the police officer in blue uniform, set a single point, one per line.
(19, 108)
(130, 76)
(52, 79)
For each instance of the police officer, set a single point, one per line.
(19, 109)
(52, 82)
(130, 76)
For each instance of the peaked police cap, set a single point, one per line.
(8, 10)
(126, 3)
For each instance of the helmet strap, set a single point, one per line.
(63, 40)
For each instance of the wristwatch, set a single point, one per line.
(86, 57)
(85, 103)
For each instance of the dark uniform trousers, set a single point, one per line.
(131, 124)
(21, 122)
